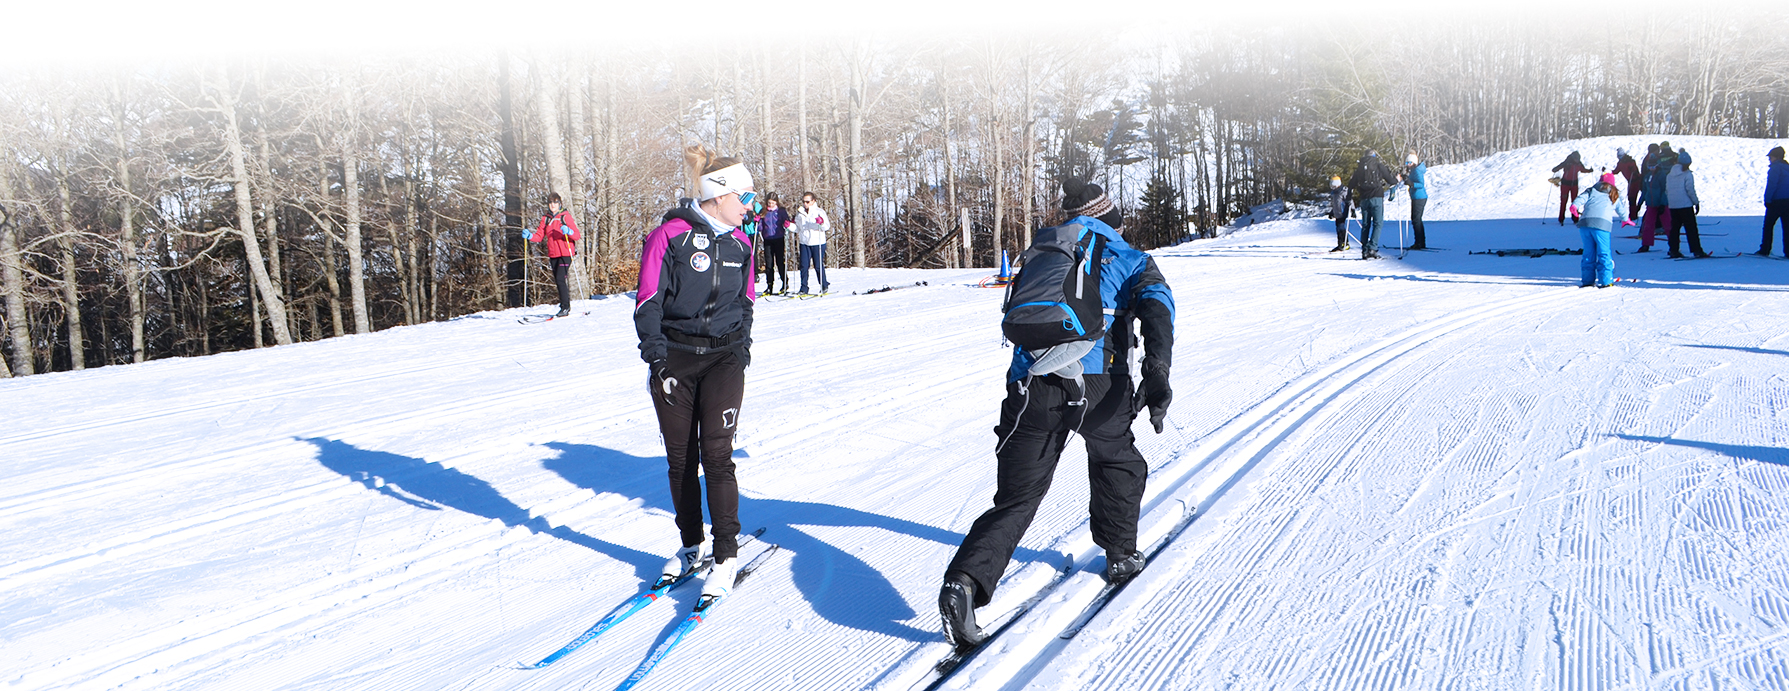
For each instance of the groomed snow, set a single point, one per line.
(1453, 471)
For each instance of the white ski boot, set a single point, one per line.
(720, 579)
(686, 560)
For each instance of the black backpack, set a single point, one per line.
(1055, 299)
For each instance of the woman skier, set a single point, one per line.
(693, 314)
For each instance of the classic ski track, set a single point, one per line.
(1583, 639)
(432, 562)
(1230, 453)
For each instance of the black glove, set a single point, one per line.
(1155, 394)
(663, 384)
(745, 355)
(1696, 211)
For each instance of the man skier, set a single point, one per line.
(1370, 180)
(1048, 396)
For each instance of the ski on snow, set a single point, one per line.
(543, 318)
(1112, 589)
(695, 619)
(632, 605)
(957, 657)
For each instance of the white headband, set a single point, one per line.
(732, 178)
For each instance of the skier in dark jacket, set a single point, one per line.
(1630, 172)
(1370, 180)
(1776, 201)
(773, 231)
(693, 313)
(1040, 411)
(1657, 218)
(1338, 210)
(560, 233)
(1568, 170)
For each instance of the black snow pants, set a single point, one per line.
(1416, 221)
(775, 266)
(1683, 219)
(1776, 214)
(562, 279)
(1032, 432)
(698, 419)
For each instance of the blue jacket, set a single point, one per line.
(1595, 209)
(1131, 289)
(1776, 185)
(1418, 190)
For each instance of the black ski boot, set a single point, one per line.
(956, 603)
(1341, 248)
(1124, 568)
(562, 313)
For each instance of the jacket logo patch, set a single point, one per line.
(700, 241)
(732, 265)
(700, 261)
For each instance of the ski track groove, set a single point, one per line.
(1585, 609)
(1259, 431)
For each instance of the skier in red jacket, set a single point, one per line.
(1568, 181)
(561, 234)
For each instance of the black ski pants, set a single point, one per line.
(698, 419)
(1683, 219)
(775, 264)
(1032, 431)
(1775, 213)
(1416, 221)
(562, 279)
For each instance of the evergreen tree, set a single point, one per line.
(1160, 221)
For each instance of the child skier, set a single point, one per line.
(561, 235)
(1338, 210)
(1568, 170)
(1596, 212)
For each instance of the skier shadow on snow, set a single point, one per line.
(1743, 349)
(840, 587)
(1761, 454)
(433, 487)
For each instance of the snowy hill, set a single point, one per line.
(1451, 471)
(1513, 184)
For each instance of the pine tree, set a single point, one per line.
(1160, 220)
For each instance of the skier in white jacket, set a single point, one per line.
(812, 224)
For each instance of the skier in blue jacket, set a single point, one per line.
(1039, 413)
(1416, 172)
(1776, 201)
(1596, 212)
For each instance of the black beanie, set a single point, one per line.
(1087, 199)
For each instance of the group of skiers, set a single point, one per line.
(771, 224)
(1663, 181)
(693, 316)
(1372, 184)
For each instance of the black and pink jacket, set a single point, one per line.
(696, 288)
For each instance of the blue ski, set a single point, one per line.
(634, 604)
(690, 623)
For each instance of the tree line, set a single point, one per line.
(170, 210)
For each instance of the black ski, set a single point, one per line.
(956, 659)
(885, 289)
(1112, 589)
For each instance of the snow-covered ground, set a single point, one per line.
(1454, 471)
